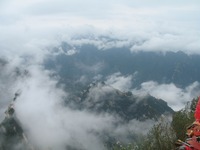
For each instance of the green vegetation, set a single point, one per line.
(182, 119)
(165, 133)
(161, 137)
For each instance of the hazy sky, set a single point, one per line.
(164, 25)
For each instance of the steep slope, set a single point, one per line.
(99, 97)
(11, 133)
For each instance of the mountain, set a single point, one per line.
(12, 136)
(88, 61)
(102, 98)
(97, 98)
(78, 66)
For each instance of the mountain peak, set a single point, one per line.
(100, 97)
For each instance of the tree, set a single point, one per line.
(161, 137)
(183, 118)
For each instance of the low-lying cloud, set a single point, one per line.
(30, 28)
(120, 82)
(49, 123)
(175, 97)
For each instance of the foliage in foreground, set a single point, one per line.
(164, 134)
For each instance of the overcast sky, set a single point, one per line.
(164, 25)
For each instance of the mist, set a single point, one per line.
(30, 30)
(48, 122)
(176, 97)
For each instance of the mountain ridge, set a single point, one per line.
(100, 98)
(89, 61)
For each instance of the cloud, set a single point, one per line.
(173, 95)
(42, 112)
(169, 42)
(97, 93)
(143, 25)
(137, 128)
(123, 131)
(48, 123)
(176, 97)
(120, 82)
(30, 28)
(8, 76)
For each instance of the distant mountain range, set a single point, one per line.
(78, 66)
(88, 61)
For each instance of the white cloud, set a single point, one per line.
(120, 82)
(25, 23)
(96, 94)
(46, 120)
(169, 42)
(173, 95)
(134, 126)
(28, 28)
(48, 123)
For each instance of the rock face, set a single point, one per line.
(99, 97)
(11, 133)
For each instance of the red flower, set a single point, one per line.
(197, 111)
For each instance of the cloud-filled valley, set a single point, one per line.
(42, 112)
(46, 109)
(80, 68)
